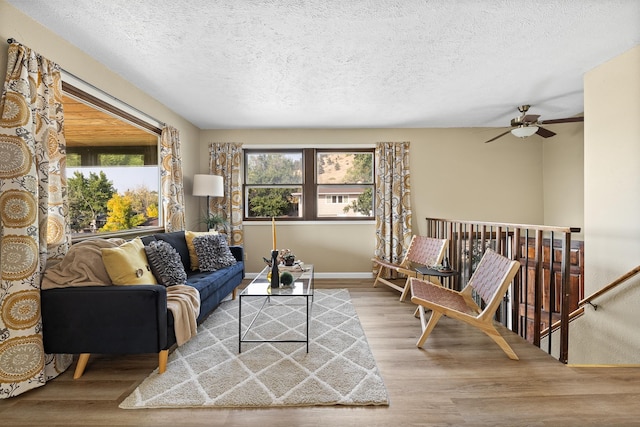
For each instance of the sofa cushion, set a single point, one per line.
(165, 263)
(177, 239)
(193, 257)
(208, 282)
(213, 252)
(127, 264)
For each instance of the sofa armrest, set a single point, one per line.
(105, 319)
(237, 252)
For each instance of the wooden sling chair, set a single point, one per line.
(490, 281)
(422, 251)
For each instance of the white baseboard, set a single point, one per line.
(337, 275)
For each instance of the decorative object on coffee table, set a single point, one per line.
(286, 278)
(275, 274)
(287, 257)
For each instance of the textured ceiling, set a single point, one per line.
(349, 63)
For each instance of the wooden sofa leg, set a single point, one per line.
(162, 361)
(82, 363)
(234, 293)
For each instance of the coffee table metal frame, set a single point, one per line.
(260, 287)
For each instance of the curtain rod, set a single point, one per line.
(11, 40)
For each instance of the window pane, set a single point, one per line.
(73, 159)
(267, 202)
(344, 168)
(112, 171)
(121, 159)
(274, 168)
(345, 200)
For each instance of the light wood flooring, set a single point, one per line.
(460, 378)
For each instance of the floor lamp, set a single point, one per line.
(208, 185)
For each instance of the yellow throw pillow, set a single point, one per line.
(127, 264)
(189, 236)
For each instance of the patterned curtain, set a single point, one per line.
(171, 179)
(392, 201)
(224, 160)
(34, 227)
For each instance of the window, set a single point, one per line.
(309, 184)
(112, 166)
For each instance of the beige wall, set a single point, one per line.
(14, 24)
(453, 175)
(563, 176)
(611, 213)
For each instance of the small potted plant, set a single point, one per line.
(214, 222)
(287, 257)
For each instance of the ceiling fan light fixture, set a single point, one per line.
(524, 131)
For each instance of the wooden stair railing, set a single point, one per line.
(548, 285)
(607, 288)
(577, 313)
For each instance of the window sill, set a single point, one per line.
(126, 234)
(314, 223)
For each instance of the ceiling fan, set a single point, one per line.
(528, 124)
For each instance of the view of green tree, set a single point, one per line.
(142, 198)
(88, 198)
(363, 205)
(121, 214)
(121, 159)
(362, 169)
(152, 211)
(73, 160)
(269, 168)
(272, 202)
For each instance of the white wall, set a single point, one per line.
(610, 335)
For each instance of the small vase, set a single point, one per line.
(275, 274)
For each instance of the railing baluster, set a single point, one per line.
(566, 295)
(468, 241)
(537, 294)
(552, 290)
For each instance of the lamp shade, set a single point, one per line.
(524, 131)
(208, 185)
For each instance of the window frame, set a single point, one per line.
(109, 105)
(309, 183)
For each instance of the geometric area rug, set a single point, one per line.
(208, 372)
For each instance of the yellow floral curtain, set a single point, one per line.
(225, 159)
(171, 179)
(34, 228)
(392, 201)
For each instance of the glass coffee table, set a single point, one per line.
(301, 290)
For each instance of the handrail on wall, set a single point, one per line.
(607, 288)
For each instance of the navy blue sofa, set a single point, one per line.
(129, 319)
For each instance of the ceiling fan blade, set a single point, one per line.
(499, 136)
(545, 133)
(530, 118)
(567, 120)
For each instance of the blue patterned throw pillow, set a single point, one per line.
(213, 252)
(166, 264)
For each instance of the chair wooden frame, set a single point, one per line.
(490, 281)
(422, 251)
